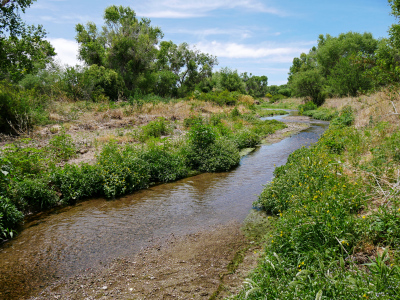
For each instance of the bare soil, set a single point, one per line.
(205, 265)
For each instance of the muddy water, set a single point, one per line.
(83, 237)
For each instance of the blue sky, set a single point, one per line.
(256, 36)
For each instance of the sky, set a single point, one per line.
(256, 36)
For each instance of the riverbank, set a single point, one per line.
(336, 210)
(208, 264)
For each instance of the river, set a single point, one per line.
(83, 237)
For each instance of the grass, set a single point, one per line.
(268, 113)
(336, 213)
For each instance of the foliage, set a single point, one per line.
(122, 171)
(155, 129)
(98, 80)
(309, 105)
(207, 152)
(33, 194)
(309, 83)
(24, 160)
(62, 146)
(125, 44)
(321, 113)
(348, 77)
(76, 182)
(10, 217)
(220, 98)
(164, 163)
(277, 97)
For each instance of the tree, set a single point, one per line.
(190, 66)
(23, 49)
(348, 76)
(125, 44)
(331, 49)
(256, 86)
(10, 20)
(309, 83)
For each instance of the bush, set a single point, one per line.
(220, 98)
(276, 98)
(23, 159)
(192, 121)
(62, 146)
(155, 129)
(9, 218)
(309, 83)
(247, 139)
(345, 118)
(121, 170)
(33, 194)
(164, 164)
(77, 182)
(208, 153)
(15, 109)
(309, 105)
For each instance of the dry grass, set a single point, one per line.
(246, 99)
(381, 106)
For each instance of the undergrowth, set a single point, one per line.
(336, 216)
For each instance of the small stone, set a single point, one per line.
(105, 287)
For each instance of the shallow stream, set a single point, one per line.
(79, 238)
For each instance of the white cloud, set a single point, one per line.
(67, 51)
(196, 8)
(234, 50)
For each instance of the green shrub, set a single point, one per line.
(62, 146)
(33, 194)
(165, 165)
(208, 153)
(193, 120)
(121, 170)
(155, 129)
(10, 217)
(276, 98)
(345, 118)
(309, 105)
(77, 182)
(24, 160)
(221, 156)
(15, 109)
(322, 113)
(247, 139)
(220, 98)
(235, 113)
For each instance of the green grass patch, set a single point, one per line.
(321, 228)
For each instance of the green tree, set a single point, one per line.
(348, 76)
(190, 66)
(125, 44)
(310, 84)
(331, 49)
(23, 49)
(256, 86)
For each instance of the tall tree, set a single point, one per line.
(125, 44)
(23, 49)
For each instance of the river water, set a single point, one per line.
(80, 238)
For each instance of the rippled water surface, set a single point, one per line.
(68, 241)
